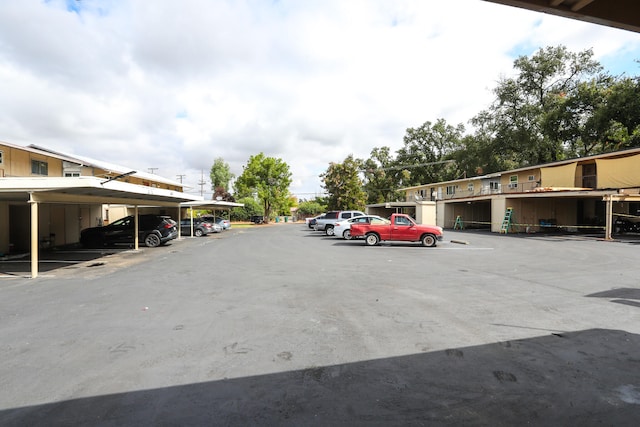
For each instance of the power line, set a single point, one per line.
(414, 166)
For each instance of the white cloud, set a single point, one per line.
(174, 85)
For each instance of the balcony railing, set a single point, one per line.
(489, 190)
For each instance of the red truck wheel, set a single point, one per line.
(428, 240)
(371, 239)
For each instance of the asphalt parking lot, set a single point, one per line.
(280, 325)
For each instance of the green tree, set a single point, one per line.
(527, 111)
(220, 174)
(620, 115)
(581, 119)
(343, 185)
(480, 153)
(311, 208)
(382, 177)
(427, 153)
(285, 205)
(251, 207)
(267, 179)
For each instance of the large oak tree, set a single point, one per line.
(343, 185)
(266, 179)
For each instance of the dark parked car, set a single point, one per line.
(200, 227)
(257, 219)
(153, 230)
(626, 225)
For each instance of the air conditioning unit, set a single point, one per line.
(513, 185)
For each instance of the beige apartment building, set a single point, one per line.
(47, 197)
(582, 194)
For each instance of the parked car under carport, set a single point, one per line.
(153, 230)
(200, 227)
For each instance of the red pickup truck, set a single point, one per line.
(399, 227)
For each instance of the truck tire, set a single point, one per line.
(329, 230)
(371, 239)
(428, 240)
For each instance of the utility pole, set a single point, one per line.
(152, 170)
(180, 177)
(201, 184)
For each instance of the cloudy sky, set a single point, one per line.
(172, 85)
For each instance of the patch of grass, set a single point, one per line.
(242, 225)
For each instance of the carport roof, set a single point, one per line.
(624, 14)
(208, 204)
(86, 189)
(110, 168)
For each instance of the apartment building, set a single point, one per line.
(581, 194)
(47, 197)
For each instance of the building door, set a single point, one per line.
(589, 177)
(19, 228)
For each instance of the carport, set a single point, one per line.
(212, 205)
(84, 190)
(569, 210)
(620, 198)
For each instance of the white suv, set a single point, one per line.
(327, 223)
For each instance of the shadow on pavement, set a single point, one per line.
(627, 293)
(581, 378)
(625, 296)
(53, 260)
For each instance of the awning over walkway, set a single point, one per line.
(558, 175)
(618, 172)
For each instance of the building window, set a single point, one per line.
(470, 187)
(71, 174)
(532, 177)
(39, 167)
(1, 157)
(589, 177)
(494, 185)
(513, 181)
(451, 190)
